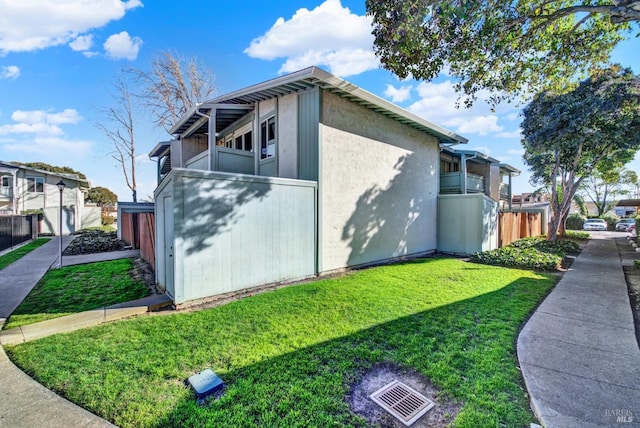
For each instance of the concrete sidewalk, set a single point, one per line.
(24, 403)
(578, 352)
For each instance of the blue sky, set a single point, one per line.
(59, 58)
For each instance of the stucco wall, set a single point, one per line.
(378, 187)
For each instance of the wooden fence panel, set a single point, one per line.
(138, 230)
(516, 225)
(147, 234)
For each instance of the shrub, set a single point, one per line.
(529, 253)
(611, 221)
(560, 248)
(523, 258)
(89, 241)
(575, 222)
(575, 234)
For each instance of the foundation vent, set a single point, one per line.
(403, 402)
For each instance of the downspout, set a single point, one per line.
(509, 192)
(211, 136)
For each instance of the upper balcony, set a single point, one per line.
(451, 183)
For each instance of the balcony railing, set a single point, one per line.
(504, 191)
(451, 183)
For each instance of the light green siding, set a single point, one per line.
(234, 232)
(308, 119)
(467, 223)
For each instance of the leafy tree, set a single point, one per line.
(505, 46)
(102, 197)
(568, 136)
(51, 168)
(603, 188)
(172, 86)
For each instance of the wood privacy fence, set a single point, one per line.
(513, 226)
(138, 230)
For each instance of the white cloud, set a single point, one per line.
(82, 43)
(9, 72)
(39, 122)
(122, 46)
(328, 35)
(515, 152)
(510, 134)
(398, 95)
(31, 25)
(438, 104)
(40, 132)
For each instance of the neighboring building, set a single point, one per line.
(26, 190)
(530, 198)
(301, 175)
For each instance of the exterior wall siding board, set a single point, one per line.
(234, 232)
(378, 187)
(308, 119)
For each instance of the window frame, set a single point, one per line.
(267, 126)
(32, 183)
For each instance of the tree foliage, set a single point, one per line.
(504, 46)
(604, 188)
(51, 168)
(101, 196)
(172, 86)
(568, 136)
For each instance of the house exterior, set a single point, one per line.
(474, 188)
(26, 190)
(302, 175)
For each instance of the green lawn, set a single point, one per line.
(78, 288)
(14, 255)
(290, 357)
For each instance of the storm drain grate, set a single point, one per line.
(403, 402)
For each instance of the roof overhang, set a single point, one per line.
(310, 78)
(628, 203)
(509, 169)
(160, 149)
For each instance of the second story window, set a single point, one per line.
(35, 184)
(268, 138)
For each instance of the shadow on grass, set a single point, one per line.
(284, 377)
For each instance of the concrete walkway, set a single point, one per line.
(578, 352)
(24, 403)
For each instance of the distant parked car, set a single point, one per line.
(594, 224)
(624, 223)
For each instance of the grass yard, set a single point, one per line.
(290, 357)
(14, 255)
(79, 288)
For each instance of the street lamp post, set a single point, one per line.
(61, 189)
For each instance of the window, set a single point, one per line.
(6, 181)
(35, 184)
(268, 138)
(240, 139)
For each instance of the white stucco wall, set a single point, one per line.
(288, 136)
(378, 187)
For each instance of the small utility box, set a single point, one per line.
(205, 383)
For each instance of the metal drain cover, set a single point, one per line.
(403, 402)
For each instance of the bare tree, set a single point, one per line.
(172, 86)
(118, 126)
